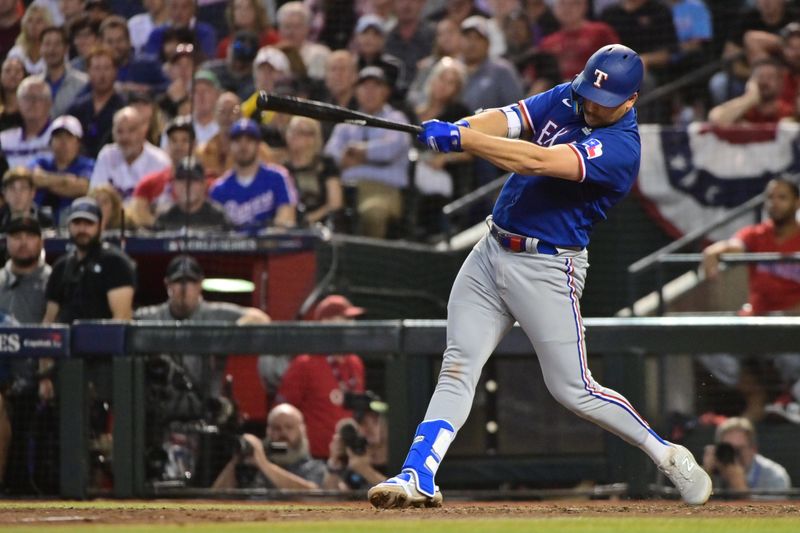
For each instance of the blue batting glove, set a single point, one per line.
(440, 136)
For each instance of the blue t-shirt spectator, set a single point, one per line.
(81, 167)
(253, 204)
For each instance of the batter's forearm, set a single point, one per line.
(491, 122)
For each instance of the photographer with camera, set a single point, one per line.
(320, 384)
(358, 450)
(280, 461)
(735, 463)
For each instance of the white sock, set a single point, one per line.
(656, 449)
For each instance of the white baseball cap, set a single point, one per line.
(69, 124)
(275, 58)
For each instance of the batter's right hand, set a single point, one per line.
(440, 136)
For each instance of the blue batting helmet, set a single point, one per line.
(610, 77)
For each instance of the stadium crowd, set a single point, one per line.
(142, 116)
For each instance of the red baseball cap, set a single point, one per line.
(336, 305)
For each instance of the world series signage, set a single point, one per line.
(34, 341)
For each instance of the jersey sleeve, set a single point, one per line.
(285, 193)
(609, 158)
(535, 106)
(101, 173)
(748, 235)
(149, 187)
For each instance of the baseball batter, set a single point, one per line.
(573, 152)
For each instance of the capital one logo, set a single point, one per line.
(601, 77)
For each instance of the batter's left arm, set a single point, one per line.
(522, 157)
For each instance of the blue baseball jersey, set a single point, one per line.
(81, 167)
(559, 211)
(254, 205)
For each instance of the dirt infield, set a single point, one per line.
(174, 512)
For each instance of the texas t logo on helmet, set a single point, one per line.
(601, 77)
(612, 75)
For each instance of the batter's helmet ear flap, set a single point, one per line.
(577, 101)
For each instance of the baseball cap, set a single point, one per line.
(336, 305)
(245, 126)
(181, 123)
(85, 208)
(25, 223)
(69, 124)
(245, 45)
(790, 30)
(370, 21)
(372, 73)
(207, 76)
(476, 23)
(184, 267)
(190, 169)
(274, 57)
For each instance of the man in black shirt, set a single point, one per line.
(95, 280)
(192, 209)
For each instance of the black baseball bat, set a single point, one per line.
(293, 105)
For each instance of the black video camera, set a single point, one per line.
(725, 454)
(352, 438)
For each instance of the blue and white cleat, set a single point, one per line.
(401, 492)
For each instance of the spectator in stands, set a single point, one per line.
(11, 75)
(97, 108)
(70, 10)
(437, 175)
(205, 92)
(133, 74)
(153, 193)
(65, 175)
(215, 156)
(22, 145)
(151, 114)
(370, 47)
(516, 35)
(142, 25)
(315, 174)
(95, 280)
(83, 32)
(10, 25)
(577, 39)
(98, 10)
(541, 19)
(294, 26)
(27, 47)
(761, 101)
(182, 280)
(373, 161)
(18, 194)
(180, 68)
(353, 469)
(181, 14)
(412, 37)
(692, 21)
(319, 384)
(647, 27)
(490, 82)
(281, 461)
(270, 67)
(126, 161)
(774, 288)
(447, 44)
(341, 73)
(458, 11)
(65, 82)
(247, 17)
(253, 194)
(767, 16)
(22, 283)
(110, 203)
(786, 46)
(735, 464)
(235, 70)
(191, 208)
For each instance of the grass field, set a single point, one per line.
(458, 517)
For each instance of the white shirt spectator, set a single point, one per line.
(112, 168)
(140, 27)
(314, 57)
(20, 151)
(32, 67)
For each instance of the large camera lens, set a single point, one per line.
(725, 453)
(352, 439)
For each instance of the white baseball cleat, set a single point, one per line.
(689, 478)
(400, 492)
